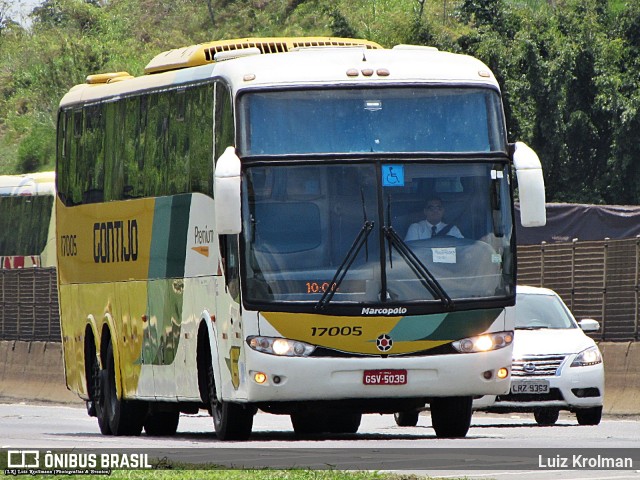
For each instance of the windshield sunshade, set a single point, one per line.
(372, 120)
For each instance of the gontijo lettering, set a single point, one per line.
(115, 241)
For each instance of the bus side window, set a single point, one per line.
(231, 265)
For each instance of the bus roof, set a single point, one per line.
(249, 66)
(40, 183)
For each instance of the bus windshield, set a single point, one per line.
(367, 224)
(460, 119)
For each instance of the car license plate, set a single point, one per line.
(384, 377)
(534, 386)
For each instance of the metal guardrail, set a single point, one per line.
(596, 279)
(29, 305)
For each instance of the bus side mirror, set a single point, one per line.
(530, 186)
(226, 190)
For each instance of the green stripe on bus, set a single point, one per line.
(169, 237)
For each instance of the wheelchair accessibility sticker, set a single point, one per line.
(393, 175)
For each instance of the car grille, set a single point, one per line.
(536, 366)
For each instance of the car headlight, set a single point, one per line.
(280, 346)
(590, 356)
(484, 343)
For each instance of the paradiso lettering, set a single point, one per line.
(115, 241)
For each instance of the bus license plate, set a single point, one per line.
(535, 387)
(384, 377)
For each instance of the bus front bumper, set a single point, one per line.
(272, 378)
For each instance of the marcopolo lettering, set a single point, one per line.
(384, 311)
(115, 241)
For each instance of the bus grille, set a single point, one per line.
(537, 366)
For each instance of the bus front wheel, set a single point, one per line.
(451, 416)
(232, 421)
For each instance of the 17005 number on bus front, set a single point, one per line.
(384, 377)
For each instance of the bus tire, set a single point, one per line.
(451, 416)
(162, 424)
(306, 424)
(101, 411)
(344, 422)
(124, 417)
(232, 421)
(406, 419)
(96, 383)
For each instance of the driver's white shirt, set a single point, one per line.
(422, 230)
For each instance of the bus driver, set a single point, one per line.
(433, 225)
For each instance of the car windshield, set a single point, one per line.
(535, 312)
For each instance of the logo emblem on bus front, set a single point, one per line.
(384, 342)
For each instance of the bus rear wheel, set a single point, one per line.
(162, 423)
(232, 421)
(123, 417)
(451, 416)
(96, 382)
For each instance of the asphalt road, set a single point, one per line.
(490, 449)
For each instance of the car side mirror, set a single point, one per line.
(589, 325)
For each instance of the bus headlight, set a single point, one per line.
(590, 356)
(484, 343)
(280, 346)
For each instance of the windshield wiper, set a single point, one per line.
(348, 260)
(422, 272)
(536, 327)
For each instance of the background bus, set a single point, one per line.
(29, 300)
(27, 220)
(232, 233)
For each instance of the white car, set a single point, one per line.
(555, 365)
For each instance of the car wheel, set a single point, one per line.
(546, 416)
(406, 419)
(589, 416)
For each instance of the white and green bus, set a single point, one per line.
(27, 220)
(232, 225)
